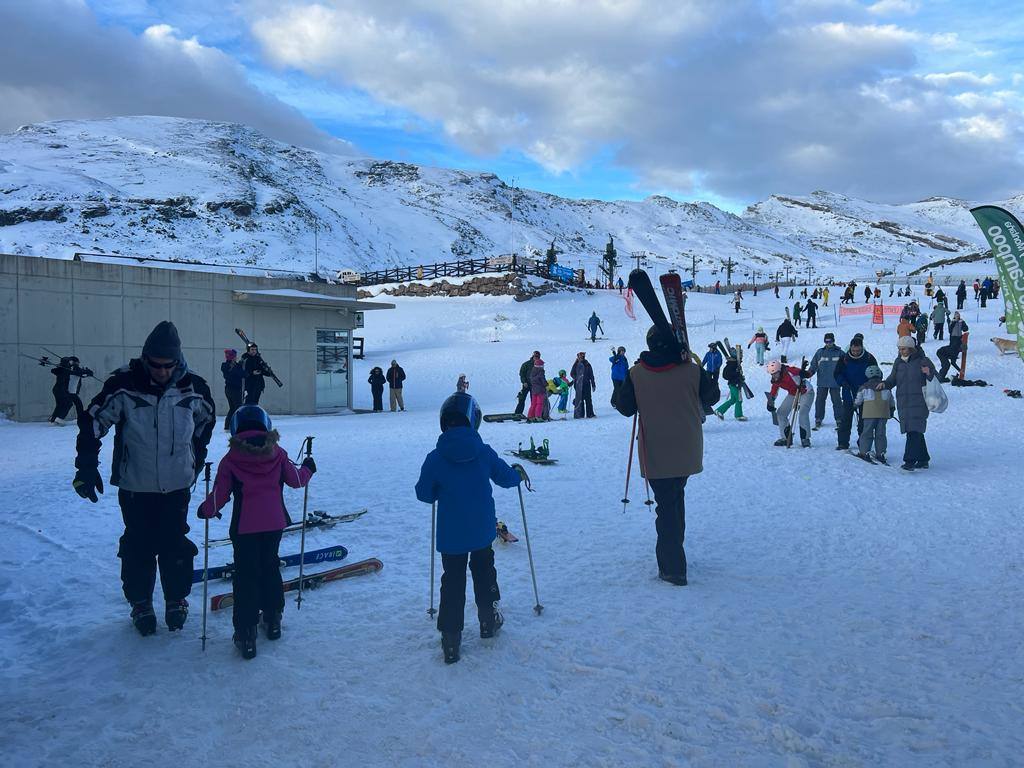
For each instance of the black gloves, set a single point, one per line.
(309, 464)
(87, 482)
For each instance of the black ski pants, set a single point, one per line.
(155, 525)
(823, 394)
(257, 584)
(234, 396)
(916, 449)
(812, 321)
(846, 425)
(939, 331)
(584, 404)
(947, 357)
(378, 397)
(670, 523)
(451, 614)
(616, 386)
(62, 402)
(521, 398)
(252, 396)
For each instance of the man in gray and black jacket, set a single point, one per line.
(823, 364)
(163, 416)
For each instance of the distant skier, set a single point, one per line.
(457, 475)
(921, 326)
(867, 294)
(233, 372)
(794, 381)
(811, 310)
(760, 342)
(737, 300)
(524, 382)
(253, 365)
(585, 385)
(824, 295)
(734, 378)
(712, 362)
(961, 294)
(621, 285)
(785, 334)
(670, 395)
(538, 390)
(396, 383)
(66, 388)
(254, 471)
(797, 309)
(949, 354)
(594, 323)
(377, 381)
(620, 369)
(939, 315)
(823, 365)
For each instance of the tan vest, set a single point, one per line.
(671, 432)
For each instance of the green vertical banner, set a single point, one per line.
(1006, 236)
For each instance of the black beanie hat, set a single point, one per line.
(163, 342)
(858, 339)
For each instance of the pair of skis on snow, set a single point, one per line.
(315, 519)
(311, 581)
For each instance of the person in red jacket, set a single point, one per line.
(793, 380)
(254, 472)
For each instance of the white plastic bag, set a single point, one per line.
(934, 396)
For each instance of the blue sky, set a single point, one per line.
(887, 100)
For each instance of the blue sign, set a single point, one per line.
(564, 274)
(687, 284)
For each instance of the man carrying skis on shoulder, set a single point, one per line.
(670, 394)
(799, 394)
(163, 416)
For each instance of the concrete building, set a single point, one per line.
(102, 308)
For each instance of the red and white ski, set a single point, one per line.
(311, 581)
(675, 301)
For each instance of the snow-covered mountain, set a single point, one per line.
(189, 189)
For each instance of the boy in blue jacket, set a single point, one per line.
(457, 475)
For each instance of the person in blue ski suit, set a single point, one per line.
(620, 369)
(712, 362)
(593, 324)
(457, 475)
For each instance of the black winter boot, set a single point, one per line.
(450, 643)
(143, 617)
(175, 613)
(805, 439)
(245, 642)
(272, 625)
(490, 625)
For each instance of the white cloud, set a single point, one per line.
(894, 7)
(747, 100)
(60, 63)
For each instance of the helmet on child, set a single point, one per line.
(250, 418)
(460, 410)
(873, 372)
(773, 367)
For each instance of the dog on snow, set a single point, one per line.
(1005, 346)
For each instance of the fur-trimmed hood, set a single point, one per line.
(255, 442)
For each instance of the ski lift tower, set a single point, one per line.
(610, 261)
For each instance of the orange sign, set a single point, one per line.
(878, 315)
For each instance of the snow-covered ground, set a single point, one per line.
(837, 613)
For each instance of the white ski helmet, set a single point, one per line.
(773, 367)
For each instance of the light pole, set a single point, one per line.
(316, 246)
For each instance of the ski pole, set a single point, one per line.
(629, 463)
(433, 528)
(526, 533)
(206, 552)
(647, 486)
(302, 545)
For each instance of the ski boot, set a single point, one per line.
(880, 459)
(721, 416)
(450, 642)
(676, 580)
(272, 625)
(921, 465)
(816, 427)
(143, 617)
(742, 418)
(490, 625)
(780, 443)
(175, 613)
(865, 457)
(245, 642)
(805, 439)
(907, 466)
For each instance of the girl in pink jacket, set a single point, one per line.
(253, 472)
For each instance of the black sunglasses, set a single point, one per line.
(162, 366)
